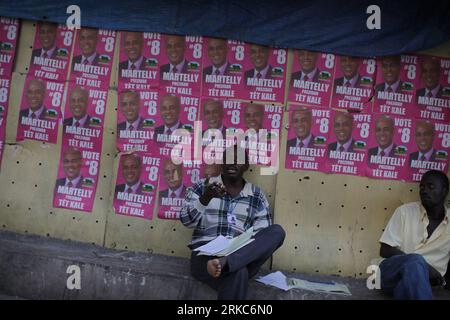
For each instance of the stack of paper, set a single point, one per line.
(279, 280)
(222, 246)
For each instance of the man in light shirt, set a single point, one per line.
(416, 242)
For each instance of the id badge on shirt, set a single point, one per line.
(231, 219)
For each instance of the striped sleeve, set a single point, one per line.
(263, 217)
(192, 209)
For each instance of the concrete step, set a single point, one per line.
(35, 267)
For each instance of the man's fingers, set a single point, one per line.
(207, 181)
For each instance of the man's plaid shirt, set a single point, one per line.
(224, 216)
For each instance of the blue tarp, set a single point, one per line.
(330, 26)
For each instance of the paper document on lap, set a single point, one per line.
(222, 246)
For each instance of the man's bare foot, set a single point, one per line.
(214, 268)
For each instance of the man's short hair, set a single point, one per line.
(439, 175)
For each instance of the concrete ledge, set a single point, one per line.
(34, 267)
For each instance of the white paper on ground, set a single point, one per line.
(279, 280)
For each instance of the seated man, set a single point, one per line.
(238, 205)
(416, 242)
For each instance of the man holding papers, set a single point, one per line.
(229, 206)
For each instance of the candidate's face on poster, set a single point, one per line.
(130, 105)
(35, 94)
(431, 73)
(424, 136)
(390, 67)
(72, 162)
(217, 51)
(88, 41)
(307, 60)
(213, 114)
(78, 103)
(349, 66)
(343, 125)
(384, 132)
(301, 122)
(175, 49)
(170, 110)
(131, 169)
(259, 55)
(47, 35)
(254, 116)
(212, 170)
(173, 174)
(133, 45)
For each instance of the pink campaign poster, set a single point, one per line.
(307, 138)
(137, 116)
(51, 51)
(397, 80)
(390, 142)
(431, 148)
(40, 110)
(77, 179)
(312, 78)
(181, 64)
(4, 99)
(92, 58)
(354, 79)
(347, 150)
(84, 117)
(9, 32)
(139, 60)
(223, 70)
(175, 112)
(173, 183)
(265, 71)
(261, 124)
(137, 180)
(433, 92)
(217, 117)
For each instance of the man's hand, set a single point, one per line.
(435, 277)
(212, 190)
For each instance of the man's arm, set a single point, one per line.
(197, 200)
(262, 218)
(386, 251)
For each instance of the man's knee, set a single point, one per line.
(278, 232)
(415, 259)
